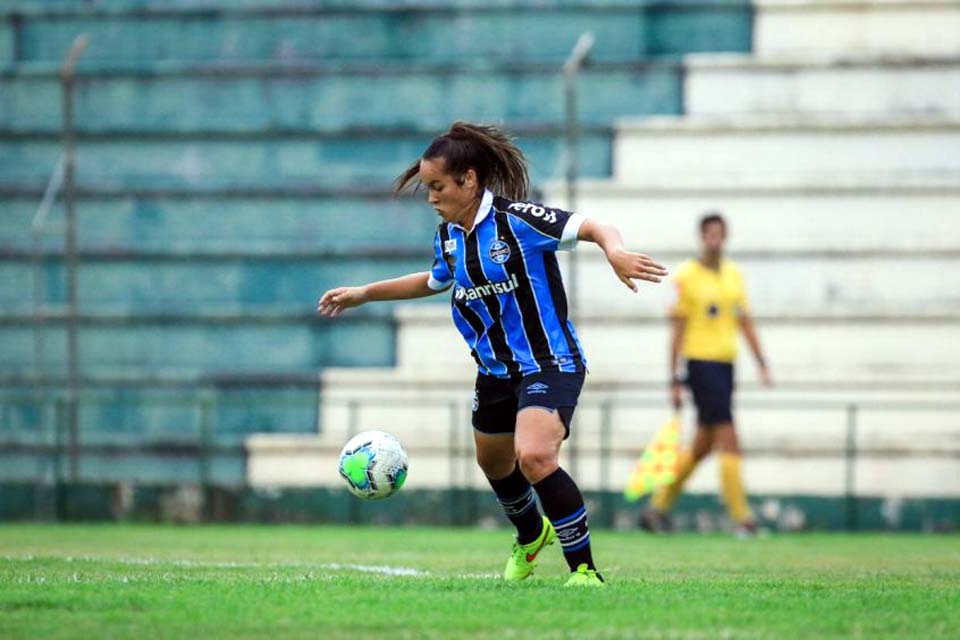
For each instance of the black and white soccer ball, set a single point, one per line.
(374, 465)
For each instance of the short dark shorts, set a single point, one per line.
(496, 401)
(712, 387)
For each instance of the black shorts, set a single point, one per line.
(496, 401)
(712, 387)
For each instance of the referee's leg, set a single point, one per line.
(731, 477)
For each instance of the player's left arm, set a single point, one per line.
(628, 266)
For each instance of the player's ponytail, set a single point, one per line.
(498, 162)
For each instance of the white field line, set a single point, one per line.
(384, 570)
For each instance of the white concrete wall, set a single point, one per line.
(770, 150)
(840, 27)
(739, 84)
(804, 218)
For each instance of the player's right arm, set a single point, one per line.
(414, 285)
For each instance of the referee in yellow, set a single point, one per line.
(710, 307)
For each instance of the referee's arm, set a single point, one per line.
(750, 334)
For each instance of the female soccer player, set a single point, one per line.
(711, 305)
(497, 251)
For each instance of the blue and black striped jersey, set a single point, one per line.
(508, 300)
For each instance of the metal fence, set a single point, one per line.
(58, 452)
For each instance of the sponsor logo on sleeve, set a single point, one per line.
(536, 210)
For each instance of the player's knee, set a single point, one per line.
(494, 465)
(537, 463)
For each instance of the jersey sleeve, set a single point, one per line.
(545, 228)
(440, 276)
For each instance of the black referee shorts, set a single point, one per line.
(496, 401)
(712, 387)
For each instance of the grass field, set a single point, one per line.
(333, 582)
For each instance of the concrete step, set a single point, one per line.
(807, 216)
(732, 84)
(772, 150)
(881, 350)
(841, 286)
(839, 27)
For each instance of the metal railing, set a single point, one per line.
(58, 456)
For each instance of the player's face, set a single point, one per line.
(452, 200)
(713, 238)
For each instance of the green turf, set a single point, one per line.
(276, 582)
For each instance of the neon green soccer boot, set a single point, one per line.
(523, 558)
(584, 577)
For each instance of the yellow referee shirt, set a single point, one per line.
(711, 302)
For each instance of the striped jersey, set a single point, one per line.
(508, 300)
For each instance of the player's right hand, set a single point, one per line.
(334, 301)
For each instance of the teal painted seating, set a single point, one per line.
(232, 222)
(263, 99)
(435, 31)
(366, 160)
(187, 347)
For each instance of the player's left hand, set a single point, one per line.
(631, 266)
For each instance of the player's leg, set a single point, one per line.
(494, 420)
(495, 455)
(546, 408)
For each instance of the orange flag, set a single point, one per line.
(657, 465)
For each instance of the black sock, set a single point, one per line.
(515, 495)
(563, 505)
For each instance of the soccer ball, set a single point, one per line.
(374, 465)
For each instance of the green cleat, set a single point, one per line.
(584, 577)
(522, 560)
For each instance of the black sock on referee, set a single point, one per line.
(515, 495)
(563, 505)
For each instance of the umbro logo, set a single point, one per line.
(538, 388)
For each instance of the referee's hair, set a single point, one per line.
(491, 153)
(711, 217)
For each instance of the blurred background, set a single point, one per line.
(177, 193)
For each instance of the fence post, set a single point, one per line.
(606, 497)
(206, 444)
(850, 498)
(453, 438)
(59, 488)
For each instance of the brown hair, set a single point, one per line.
(491, 153)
